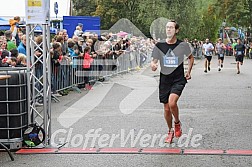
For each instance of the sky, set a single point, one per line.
(11, 8)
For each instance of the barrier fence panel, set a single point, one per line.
(69, 72)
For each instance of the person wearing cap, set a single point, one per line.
(78, 31)
(220, 50)
(80, 25)
(82, 43)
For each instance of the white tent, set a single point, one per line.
(4, 22)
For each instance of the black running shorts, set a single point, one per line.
(209, 58)
(220, 58)
(169, 85)
(239, 58)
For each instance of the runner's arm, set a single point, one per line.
(203, 50)
(215, 49)
(190, 65)
(224, 46)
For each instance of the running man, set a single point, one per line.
(170, 55)
(220, 50)
(207, 49)
(239, 53)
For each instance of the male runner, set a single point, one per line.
(239, 52)
(170, 54)
(208, 49)
(220, 50)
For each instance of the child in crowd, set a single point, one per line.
(87, 67)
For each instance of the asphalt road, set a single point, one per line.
(215, 108)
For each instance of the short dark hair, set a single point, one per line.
(176, 23)
(87, 48)
(8, 34)
(70, 44)
(14, 52)
(56, 45)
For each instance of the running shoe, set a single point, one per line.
(169, 137)
(178, 130)
(221, 65)
(209, 68)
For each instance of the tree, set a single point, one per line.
(197, 18)
(84, 7)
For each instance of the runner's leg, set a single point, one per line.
(238, 67)
(206, 61)
(173, 99)
(168, 115)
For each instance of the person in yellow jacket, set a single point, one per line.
(14, 23)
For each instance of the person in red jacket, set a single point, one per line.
(87, 67)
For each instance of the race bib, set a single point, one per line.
(171, 61)
(208, 53)
(221, 55)
(239, 53)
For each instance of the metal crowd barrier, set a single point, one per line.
(70, 73)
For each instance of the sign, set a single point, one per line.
(37, 11)
(56, 8)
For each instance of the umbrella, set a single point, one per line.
(233, 29)
(122, 33)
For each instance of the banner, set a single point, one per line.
(37, 11)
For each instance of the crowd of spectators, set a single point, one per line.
(79, 51)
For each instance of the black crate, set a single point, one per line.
(13, 104)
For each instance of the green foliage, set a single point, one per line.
(198, 19)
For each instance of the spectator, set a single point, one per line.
(87, 67)
(14, 53)
(10, 43)
(15, 29)
(60, 39)
(56, 55)
(3, 45)
(73, 51)
(250, 50)
(11, 62)
(20, 34)
(78, 31)
(64, 34)
(82, 43)
(22, 45)
(76, 41)
(21, 60)
(5, 56)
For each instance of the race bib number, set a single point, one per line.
(208, 53)
(239, 53)
(221, 55)
(170, 61)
